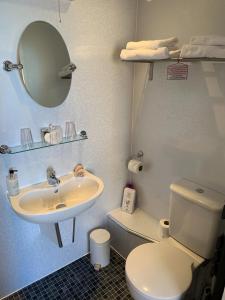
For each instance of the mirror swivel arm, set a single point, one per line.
(9, 66)
(4, 149)
(67, 71)
(72, 67)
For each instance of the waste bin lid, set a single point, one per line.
(100, 236)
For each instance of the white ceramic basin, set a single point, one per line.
(42, 203)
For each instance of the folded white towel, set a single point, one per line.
(153, 44)
(175, 53)
(145, 54)
(209, 40)
(198, 51)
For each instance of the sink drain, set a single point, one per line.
(61, 205)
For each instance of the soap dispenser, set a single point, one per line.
(12, 183)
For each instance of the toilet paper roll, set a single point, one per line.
(135, 166)
(164, 228)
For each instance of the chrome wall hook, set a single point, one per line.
(9, 66)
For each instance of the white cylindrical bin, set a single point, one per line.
(100, 248)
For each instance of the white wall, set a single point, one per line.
(99, 102)
(180, 124)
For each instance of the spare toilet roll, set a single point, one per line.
(164, 228)
(135, 166)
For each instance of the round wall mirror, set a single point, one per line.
(47, 69)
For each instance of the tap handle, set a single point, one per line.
(79, 170)
(50, 172)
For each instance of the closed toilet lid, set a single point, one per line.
(159, 271)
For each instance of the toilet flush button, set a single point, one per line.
(200, 191)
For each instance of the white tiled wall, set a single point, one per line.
(180, 124)
(99, 102)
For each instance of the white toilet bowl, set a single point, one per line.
(164, 271)
(159, 271)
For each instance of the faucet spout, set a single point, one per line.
(51, 177)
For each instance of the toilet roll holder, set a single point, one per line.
(135, 163)
(138, 156)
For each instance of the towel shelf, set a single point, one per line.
(180, 59)
(177, 59)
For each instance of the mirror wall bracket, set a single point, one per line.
(67, 71)
(9, 66)
(4, 149)
(72, 67)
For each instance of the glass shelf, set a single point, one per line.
(40, 145)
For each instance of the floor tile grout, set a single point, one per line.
(79, 281)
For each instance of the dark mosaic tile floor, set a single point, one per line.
(79, 281)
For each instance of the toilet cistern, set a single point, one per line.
(195, 223)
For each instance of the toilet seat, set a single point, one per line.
(158, 271)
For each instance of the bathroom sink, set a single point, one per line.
(42, 203)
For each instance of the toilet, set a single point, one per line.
(159, 271)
